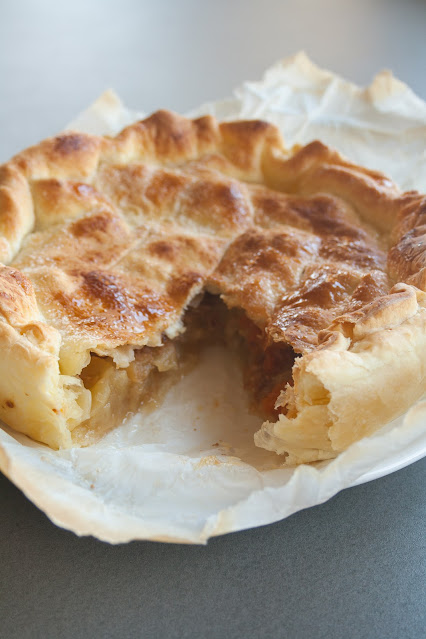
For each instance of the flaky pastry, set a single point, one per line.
(114, 250)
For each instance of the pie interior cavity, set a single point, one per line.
(119, 253)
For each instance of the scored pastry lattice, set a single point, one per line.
(108, 240)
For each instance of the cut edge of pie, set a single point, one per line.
(106, 242)
(369, 369)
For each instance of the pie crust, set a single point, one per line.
(106, 243)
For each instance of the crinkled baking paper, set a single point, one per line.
(189, 470)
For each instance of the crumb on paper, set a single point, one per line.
(209, 460)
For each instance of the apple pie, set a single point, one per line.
(118, 255)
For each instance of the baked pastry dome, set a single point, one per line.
(108, 244)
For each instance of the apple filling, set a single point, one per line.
(118, 392)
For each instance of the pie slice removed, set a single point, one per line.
(119, 254)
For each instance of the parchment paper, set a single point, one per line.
(189, 469)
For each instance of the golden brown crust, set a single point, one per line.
(16, 210)
(108, 239)
(407, 257)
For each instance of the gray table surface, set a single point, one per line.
(354, 567)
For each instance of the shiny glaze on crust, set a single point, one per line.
(117, 235)
(104, 301)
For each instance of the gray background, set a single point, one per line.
(353, 567)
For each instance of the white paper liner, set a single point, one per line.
(189, 470)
